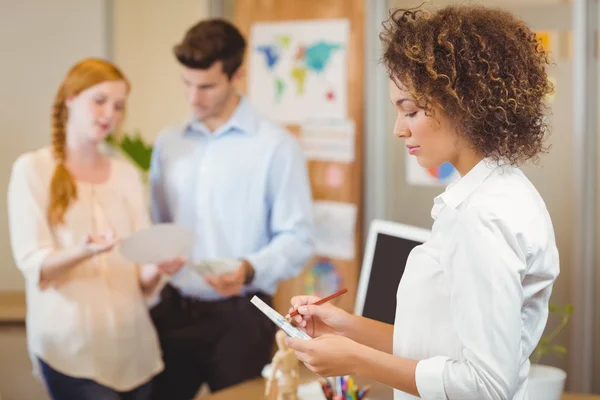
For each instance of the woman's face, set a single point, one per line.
(430, 138)
(97, 111)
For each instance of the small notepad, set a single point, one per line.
(279, 320)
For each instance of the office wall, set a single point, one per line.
(40, 40)
(144, 33)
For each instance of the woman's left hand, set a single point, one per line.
(170, 267)
(327, 355)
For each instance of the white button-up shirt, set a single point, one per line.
(473, 301)
(92, 322)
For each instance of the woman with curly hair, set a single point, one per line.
(469, 85)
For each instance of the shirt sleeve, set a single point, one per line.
(30, 235)
(291, 219)
(159, 209)
(484, 266)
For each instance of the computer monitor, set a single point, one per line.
(386, 251)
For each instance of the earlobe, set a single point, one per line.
(239, 74)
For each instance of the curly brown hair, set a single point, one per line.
(483, 67)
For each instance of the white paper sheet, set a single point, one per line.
(335, 224)
(157, 243)
(328, 140)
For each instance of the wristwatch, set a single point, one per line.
(249, 273)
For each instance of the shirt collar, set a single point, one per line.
(459, 190)
(244, 119)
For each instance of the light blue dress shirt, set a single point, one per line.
(243, 190)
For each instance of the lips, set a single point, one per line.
(413, 149)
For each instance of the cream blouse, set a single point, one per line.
(93, 321)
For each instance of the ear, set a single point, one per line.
(238, 75)
(69, 101)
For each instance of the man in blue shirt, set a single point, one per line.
(240, 183)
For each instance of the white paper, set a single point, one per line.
(298, 69)
(279, 320)
(335, 224)
(217, 267)
(157, 243)
(417, 175)
(328, 140)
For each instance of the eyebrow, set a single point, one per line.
(400, 101)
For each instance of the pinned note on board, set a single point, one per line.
(545, 40)
(334, 176)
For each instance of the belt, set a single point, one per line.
(196, 306)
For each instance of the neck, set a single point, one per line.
(215, 122)
(466, 161)
(82, 152)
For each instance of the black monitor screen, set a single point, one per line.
(389, 260)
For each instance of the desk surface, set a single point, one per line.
(254, 389)
(12, 307)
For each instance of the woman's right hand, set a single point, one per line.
(319, 320)
(93, 245)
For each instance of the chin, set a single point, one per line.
(100, 136)
(426, 163)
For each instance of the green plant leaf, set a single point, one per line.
(559, 349)
(569, 309)
(553, 308)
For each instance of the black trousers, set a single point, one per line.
(221, 343)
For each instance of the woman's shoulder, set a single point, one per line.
(38, 162)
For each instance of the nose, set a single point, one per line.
(401, 128)
(194, 96)
(107, 112)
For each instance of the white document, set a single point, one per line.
(279, 320)
(298, 69)
(335, 224)
(328, 140)
(217, 267)
(157, 243)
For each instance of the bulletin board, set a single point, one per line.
(336, 178)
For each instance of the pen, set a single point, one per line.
(323, 300)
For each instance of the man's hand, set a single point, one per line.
(232, 283)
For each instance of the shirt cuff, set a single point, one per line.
(31, 267)
(429, 376)
(264, 278)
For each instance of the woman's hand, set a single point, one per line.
(327, 355)
(97, 244)
(319, 320)
(172, 266)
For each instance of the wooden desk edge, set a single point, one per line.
(13, 307)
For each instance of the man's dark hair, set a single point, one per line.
(210, 41)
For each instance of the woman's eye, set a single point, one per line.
(410, 115)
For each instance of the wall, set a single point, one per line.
(40, 40)
(144, 33)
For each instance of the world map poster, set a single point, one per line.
(297, 69)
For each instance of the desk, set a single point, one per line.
(254, 390)
(12, 307)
